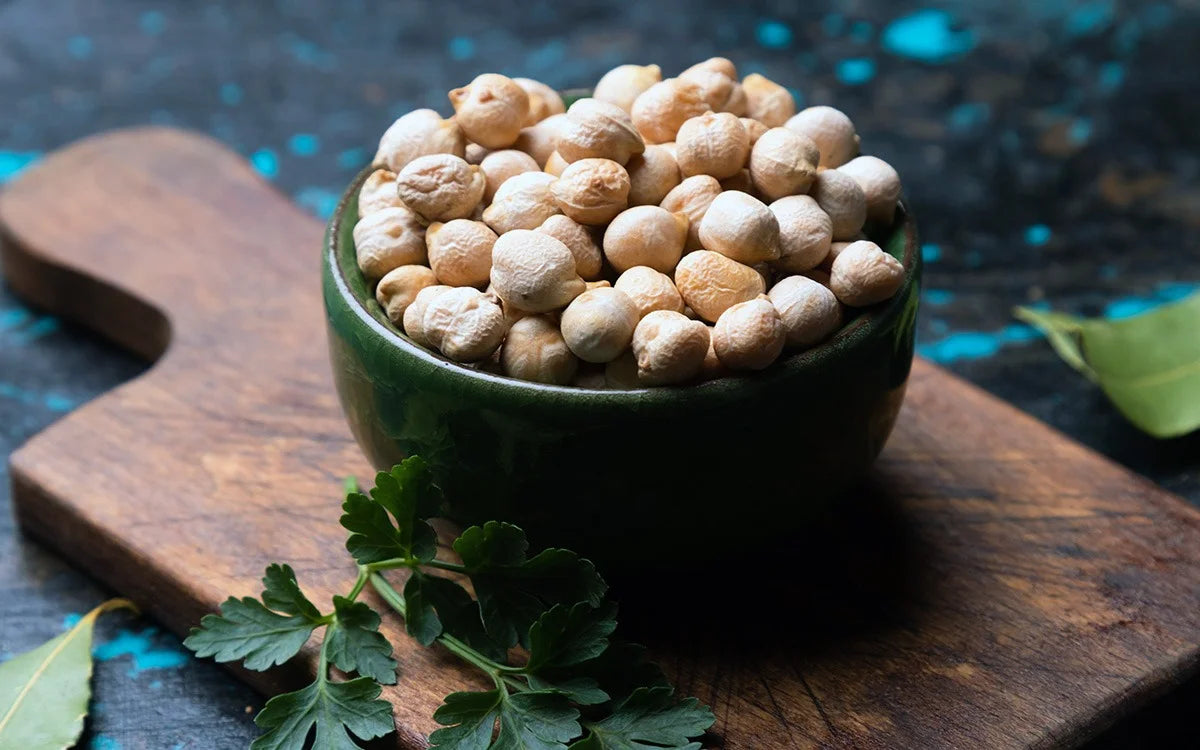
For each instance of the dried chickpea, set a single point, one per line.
(864, 274)
(717, 88)
(712, 367)
(440, 187)
(783, 162)
(624, 83)
(741, 227)
(805, 233)
(387, 239)
(555, 164)
(662, 108)
(543, 100)
(740, 182)
(819, 275)
(601, 284)
(671, 148)
(840, 196)
(754, 129)
(713, 144)
(460, 252)
(414, 314)
(465, 324)
(498, 166)
(598, 324)
(721, 65)
(475, 153)
(767, 101)
(419, 133)
(399, 287)
(652, 175)
(692, 197)
(592, 191)
(835, 249)
(598, 130)
(880, 184)
(809, 311)
(711, 283)
(831, 130)
(649, 290)
(533, 271)
(539, 140)
(522, 202)
(378, 191)
(645, 236)
(738, 103)
(580, 240)
(669, 347)
(749, 336)
(535, 350)
(491, 110)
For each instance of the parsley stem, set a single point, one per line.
(443, 565)
(359, 583)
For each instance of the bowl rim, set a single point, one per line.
(865, 326)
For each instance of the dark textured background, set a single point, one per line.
(1049, 148)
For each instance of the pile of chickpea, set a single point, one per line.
(658, 232)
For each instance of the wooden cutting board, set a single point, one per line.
(994, 585)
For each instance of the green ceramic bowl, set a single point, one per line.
(621, 475)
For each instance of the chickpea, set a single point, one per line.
(721, 65)
(522, 202)
(649, 290)
(819, 275)
(419, 133)
(669, 347)
(831, 130)
(840, 196)
(465, 324)
(767, 101)
(717, 88)
(598, 324)
(598, 130)
(741, 227)
(387, 239)
(535, 350)
(749, 336)
(671, 148)
(662, 108)
(399, 287)
(580, 240)
(652, 175)
(543, 100)
(879, 183)
(475, 154)
(491, 110)
(460, 252)
(783, 162)
(645, 236)
(378, 191)
(440, 187)
(711, 283)
(414, 314)
(624, 83)
(533, 271)
(713, 144)
(601, 284)
(539, 140)
(498, 166)
(809, 311)
(805, 233)
(555, 164)
(835, 249)
(592, 191)
(712, 367)
(754, 129)
(740, 182)
(692, 197)
(863, 274)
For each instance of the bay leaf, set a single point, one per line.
(44, 692)
(1148, 365)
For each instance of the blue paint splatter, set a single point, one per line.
(50, 401)
(231, 94)
(153, 22)
(317, 200)
(833, 24)
(931, 253)
(43, 326)
(1112, 75)
(773, 34)
(1080, 131)
(862, 31)
(266, 162)
(156, 685)
(104, 742)
(71, 620)
(13, 163)
(304, 144)
(352, 158)
(797, 97)
(975, 344)
(1090, 18)
(141, 647)
(938, 296)
(1037, 235)
(855, 70)
(13, 317)
(927, 35)
(79, 47)
(461, 48)
(969, 115)
(307, 52)
(1127, 307)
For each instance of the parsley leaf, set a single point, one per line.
(335, 709)
(436, 605)
(584, 691)
(564, 635)
(469, 719)
(514, 590)
(649, 719)
(282, 594)
(420, 618)
(406, 492)
(620, 670)
(536, 721)
(354, 643)
(372, 535)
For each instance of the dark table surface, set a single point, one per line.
(1048, 147)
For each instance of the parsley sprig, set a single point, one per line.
(539, 626)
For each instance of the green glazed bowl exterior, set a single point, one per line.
(622, 474)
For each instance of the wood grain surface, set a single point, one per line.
(993, 585)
